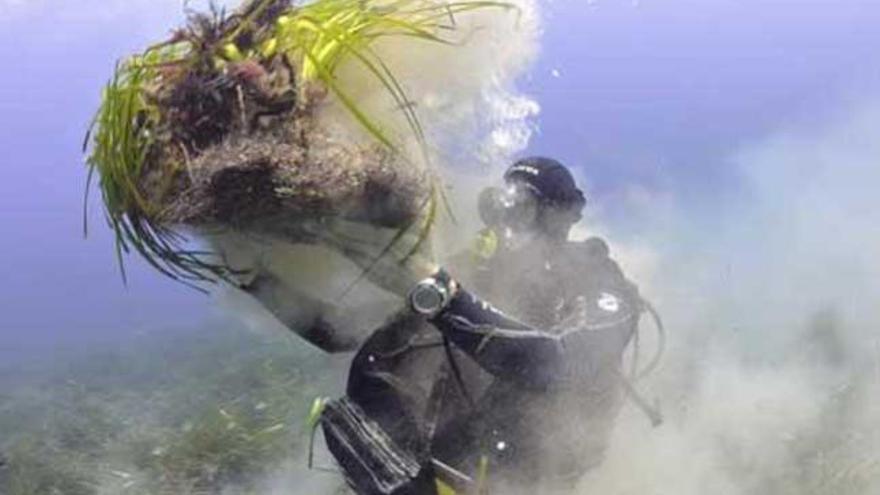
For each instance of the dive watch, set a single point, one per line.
(432, 294)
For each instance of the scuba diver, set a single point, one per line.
(507, 375)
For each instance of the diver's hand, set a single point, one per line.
(390, 259)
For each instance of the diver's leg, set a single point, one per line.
(457, 444)
(374, 432)
(376, 386)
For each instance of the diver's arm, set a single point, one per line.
(498, 343)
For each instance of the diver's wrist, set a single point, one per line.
(431, 295)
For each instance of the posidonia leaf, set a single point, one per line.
(425, 232)
(351, 106)
(118, 145)
(382, 73)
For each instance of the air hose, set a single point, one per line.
(652, 412)
(661, 343)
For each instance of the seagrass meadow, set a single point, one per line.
(159, 416)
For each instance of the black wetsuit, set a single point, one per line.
(550, 386)
(549, 410)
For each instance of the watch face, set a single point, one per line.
(608, 302)
(426, 298)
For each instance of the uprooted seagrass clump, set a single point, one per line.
(215, 127)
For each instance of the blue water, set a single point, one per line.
(649, 94)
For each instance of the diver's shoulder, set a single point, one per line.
(594, 255)
(592, 249)
(595, 247)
